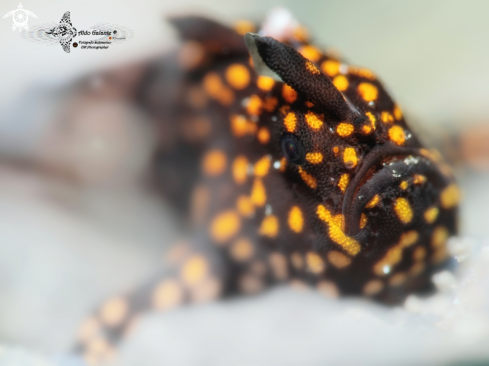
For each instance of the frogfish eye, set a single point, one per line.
(293, 149)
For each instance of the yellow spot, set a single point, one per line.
(386, 117)
(244, 206)
(240, 169)
(283, 164)
(315, 263)
(341, 82)
(238, 76)
(344, 129)
(297, 261)
(339, 260)
(398, 279)
(310, 52)
(278, 262)
(240, 126)
(263, 135)
(419, 253)
(372, 119)
(450, 196)
(397, 112)
(396, 134)
(258, 193)
(343, 183)
(366, 129)
(214, 87)
(312, 69)
(362, 72)
(417, 268)
(336, 150)
(290, 121)
(313, 120)
(194, 270)
(368, 91)
(330, 67)
(269, 226)
(350, 157)
(244, 26)
(439, 255)
(224, 226)
(373, 202)
(329, 289)
(289, 94)
(262, 166)
(394, 254)
(113, 312)
(167, 295)
(254, 105)
(403, 210)
(419, 179)
(350, 245)
(431, 214)
(314, 158)
(307, 178)
(404, 184)
(296, 220)
(270, 103)
(214, 163)
(439, 237)
(363, 220)
(242, 250)
(265, 83)
(373, 287)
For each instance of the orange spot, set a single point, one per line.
(296, 220)
(362, 72)
(310, 52)
(373, 202)
(270, 103)
(314, 158)
(297, 261)
(265, 83)
(307, 178)
(345, 129)
(240, 169)
(339, 260)
(396, 134)
(194, 270)
(404, 184)
(450, 196)
(419, 179)
(238, 76)
(245, 206)
(242, 250)
(366, 129)
(439, 237)
(244, 26)
(224, 226)
(336, 150)
(343, 183)
(341, 82)
(289, 94)
(431, 214)
(300, 33)
(240, 126)
(258, 193)
(330, 67)
(254, 105)
(262, 166)
(419, 254)
(214, 87)
(269, 226)
(397, 112)
(290, 121)
(373, 287)
(167, 295)
(315, 263)
(278, 263)
(403, 210)
(394, 254)
(350, 157)
(398, 279)
(363, 220)
(386, 117)
(312, 69)
(350, 245)
(368, 91)
(313, 120)
(214, 163)
(263, 135)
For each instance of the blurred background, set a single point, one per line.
(78, 222)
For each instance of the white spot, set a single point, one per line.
(245, 101)
(268, 209)
(277, 164)
(250, 169)
(386, 269)
(343, 69)
(411, 160)
(371, 104)
(273, 118)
